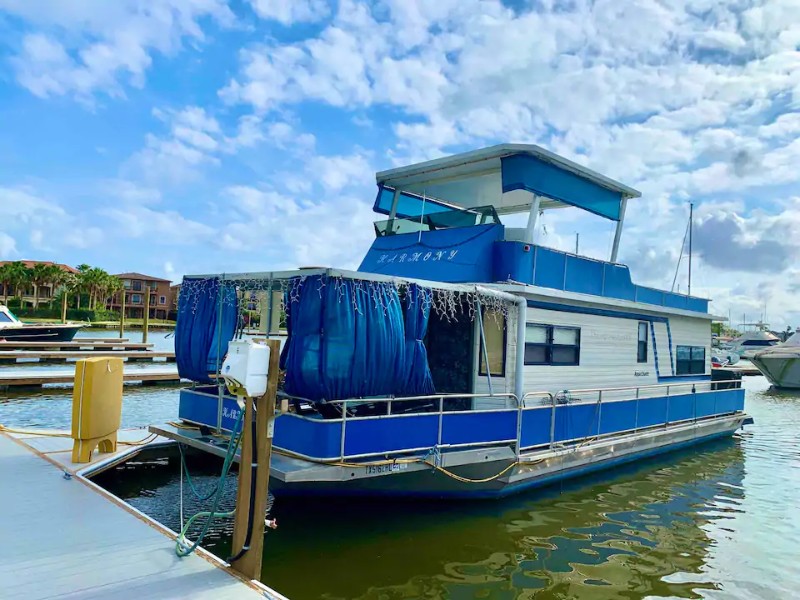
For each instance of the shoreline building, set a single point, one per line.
(136, 286)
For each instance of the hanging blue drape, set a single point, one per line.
(417, 312)
(199, 332)
(346, 339)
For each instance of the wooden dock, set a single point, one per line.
(69, 538)
(64, 355)
(105, 346)
(31, 378)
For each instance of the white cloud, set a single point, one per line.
(337, 172)
(8, 246)
(158, 226)
(291, 11)
(194, 139)
(101, 46)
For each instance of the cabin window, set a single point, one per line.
(494, 330)
(4, 318)
(552, 345)
(641, 347)
(690, 360)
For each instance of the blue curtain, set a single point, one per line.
(346, 339)
(417, 312)
(197, 335)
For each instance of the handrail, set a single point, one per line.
(551, 403)
(653, 386)
(426, 397)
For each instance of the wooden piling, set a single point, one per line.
(64, 298)
(122, 313)
(249, 564)
(146, 321)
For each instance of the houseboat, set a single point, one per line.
(462, 359)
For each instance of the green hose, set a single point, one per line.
(181, 548)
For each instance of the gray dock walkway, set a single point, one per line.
(68, 538)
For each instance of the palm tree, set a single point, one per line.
(81, 284)
(18, 276)
(64, 283)
(113, 285)
(40, 274)
(6, 277)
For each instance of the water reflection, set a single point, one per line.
(593, 539)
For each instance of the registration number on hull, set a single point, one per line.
(385, 469)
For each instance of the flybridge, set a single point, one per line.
(444, 224)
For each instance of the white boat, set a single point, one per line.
(751, 342)
(780, 364)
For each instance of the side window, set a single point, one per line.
(494, 330)
(552, 345)
(690, 360)
(641, 345)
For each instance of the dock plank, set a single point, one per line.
(14, 355)
(84, 545)
(19, 378)
(105, 346)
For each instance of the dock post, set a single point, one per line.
(146, 321)
(64, 298)
(122, 314)
(249, 564)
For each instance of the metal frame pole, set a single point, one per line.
(618, 233)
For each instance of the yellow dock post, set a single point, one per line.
(96, 406)
(249, 564)
(146, 321)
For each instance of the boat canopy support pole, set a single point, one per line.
(393, 211)
(519, 364)
(532, 216)
(483, 347)
(618, 232)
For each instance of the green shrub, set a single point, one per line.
(73, 314)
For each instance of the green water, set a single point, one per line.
(719, 521)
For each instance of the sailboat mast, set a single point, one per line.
(691, 214)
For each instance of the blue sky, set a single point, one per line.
(185, 136)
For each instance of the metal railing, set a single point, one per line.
(441, 398)
(547, 401)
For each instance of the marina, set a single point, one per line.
(399, 300)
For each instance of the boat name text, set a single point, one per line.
(417, 256)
